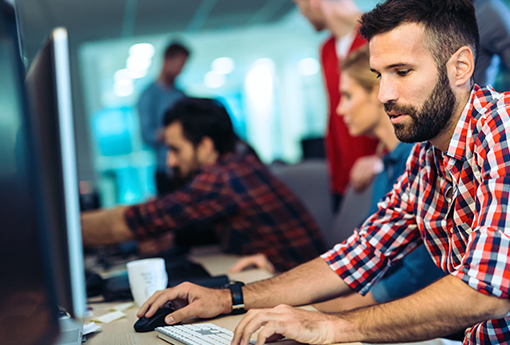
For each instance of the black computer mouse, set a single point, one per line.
(157, 320)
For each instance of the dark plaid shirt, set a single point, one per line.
(253, 212)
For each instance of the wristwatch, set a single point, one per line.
(236, 291)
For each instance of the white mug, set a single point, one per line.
(146, 277)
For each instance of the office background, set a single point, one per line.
(259, 57)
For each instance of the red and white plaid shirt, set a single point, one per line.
(456, 203)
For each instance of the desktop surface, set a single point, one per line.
(122, 331)
(216, 263)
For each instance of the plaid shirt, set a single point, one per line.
(253, 212)
(455, 203)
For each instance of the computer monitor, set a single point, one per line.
(49, 89)
(28, 313)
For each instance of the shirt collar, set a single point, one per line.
(480, 100)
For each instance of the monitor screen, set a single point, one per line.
(49, 88)
(27, 299)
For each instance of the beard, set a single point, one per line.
(432, 118)
(179, 179)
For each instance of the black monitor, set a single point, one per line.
(49, 89)
(28, 313)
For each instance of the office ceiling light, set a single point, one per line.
(129, 74)
(123, 88)
(214, 79)
(122, 74)
(308, 66)
(138, 63)
(267, 62)
(223, 65)
(142, 49)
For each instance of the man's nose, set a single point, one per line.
(171, 159)
(387, 91)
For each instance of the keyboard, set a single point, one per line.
(196, 334)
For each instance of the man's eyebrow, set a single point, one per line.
(395, 65)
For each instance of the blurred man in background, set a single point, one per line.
(227, 188)
(154, 102)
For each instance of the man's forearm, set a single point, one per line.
(308, 283)
(104, 227)
(444, 307)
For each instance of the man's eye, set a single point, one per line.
(403, 73)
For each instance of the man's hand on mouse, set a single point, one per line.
(189, 300)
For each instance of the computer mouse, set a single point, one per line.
(157, 320)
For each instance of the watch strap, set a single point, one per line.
(236, 291)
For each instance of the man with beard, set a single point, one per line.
(453, 197)
(253, 213)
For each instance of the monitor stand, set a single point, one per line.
(71, 331)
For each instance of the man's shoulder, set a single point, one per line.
(150, 90)
(235, 166)
(488, 104)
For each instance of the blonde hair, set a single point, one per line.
(357, 66)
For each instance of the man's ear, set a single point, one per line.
(206, 147)
(463, 63)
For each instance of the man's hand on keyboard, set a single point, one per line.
(284, 321)
(189, 300)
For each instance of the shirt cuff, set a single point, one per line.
(356, 264)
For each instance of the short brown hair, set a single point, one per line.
(174, 49)
(449, 24)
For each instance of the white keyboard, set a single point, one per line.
(196, 334)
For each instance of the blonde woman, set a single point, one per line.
(365, 115)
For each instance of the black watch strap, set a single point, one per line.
(236, 291)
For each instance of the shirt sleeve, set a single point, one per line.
(485, 265)
(385, 237)
(148, 118)
(205, 198)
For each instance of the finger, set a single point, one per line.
(145, 307)
(240, 265)
(268, 266)
(182, 314)
(239, 330)
(268, 334)
(259, 320)
(159, 298)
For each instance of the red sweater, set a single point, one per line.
(342, 149)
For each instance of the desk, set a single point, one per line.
(121, 332)
(215, 262)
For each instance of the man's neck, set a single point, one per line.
(166, 81)
(442, 140)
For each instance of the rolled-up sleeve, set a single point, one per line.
(385, 237)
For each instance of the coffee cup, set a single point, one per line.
(146, 277)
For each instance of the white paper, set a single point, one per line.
(122, 307)
(90, 328)
(109, 317)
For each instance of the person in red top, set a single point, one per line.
(340, 17)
